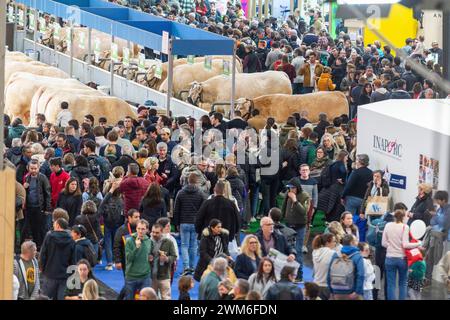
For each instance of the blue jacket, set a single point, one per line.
(358, 261)
(441, 220)
(244, 267)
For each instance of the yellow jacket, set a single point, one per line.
(324, 83)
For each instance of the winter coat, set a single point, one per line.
(92, 224)
(70, 203)
(81, 173)
(16, 132)
(187, 203)
(21, 196)
(57, 184)
(207, 250)
(133, 189)
(293, 162)
(380, 95)
(321, 260)
(356, 185)
(111, 209)
(284, 132)
(338, 73)
(208, 287)
(305, 71)
(358, 262)
(202, 182)
(296, 213)
(284, 290)
(163, 272)
(260, 286)
(152, 212)
(56, 255)
(43, 192)
(244, 266)
(383, 191)
(330, 198)
(120, 237)
(14, 155)
(218, 208)
(324, 83)
(80, 248)
(281, 244)
(237, 190)
(124, 161)
(400, 94)
(173, 175)
(421, 209)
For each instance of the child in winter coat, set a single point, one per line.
(369, 271)
(324, 83)
(416, 278)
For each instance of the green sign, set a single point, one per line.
(126, 56)
(56, 31)
(42, 25)
(158, 70)
(21, 23)
(141, 63)
(81, 43)
(226, 67)
(190, 59)
(31, 23)
(208, 62)
(11, 14)
(114, 52)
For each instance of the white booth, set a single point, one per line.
(410, 140)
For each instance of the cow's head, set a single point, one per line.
(245, 106)
(195, 93)
(151, 78)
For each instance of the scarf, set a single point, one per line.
(319, 163)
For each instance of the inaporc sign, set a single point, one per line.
(389, 147)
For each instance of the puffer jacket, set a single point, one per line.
(133, 189)
(296, 213)
(421, 209)
(284, 132)
(16, 132)
(324, 83)
(237, 189)
(187, 203)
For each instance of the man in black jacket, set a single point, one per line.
(121, 236)
(270, 239)
(22, 165)
(56, 256)
(237, 122)
(401, 92)
(37, 205)
(187, 204)
(219, 208)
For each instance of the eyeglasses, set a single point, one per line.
(253, 242)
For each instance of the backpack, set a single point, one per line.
(94, 199)
(375, 233)
(325, 176)
(342, 273)
(99, 168)
(90, 255)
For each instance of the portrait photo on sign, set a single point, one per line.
(429, 171)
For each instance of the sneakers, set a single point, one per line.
(305, 249)
(109, 267)
(188, 271)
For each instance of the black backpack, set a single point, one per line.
(90, 255)
(325, 176)
(95, 168)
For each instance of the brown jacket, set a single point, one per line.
(305, 71)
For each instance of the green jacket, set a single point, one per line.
(137, 265)
(208, 287)
(296, 213)
(163, 272)
(308, 151)
(418, 270)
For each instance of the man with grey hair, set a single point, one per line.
(208, 285)
(26, 269)
(429, 93)
(241, 289)
(167, 168)
(148, 293)
(355, 190)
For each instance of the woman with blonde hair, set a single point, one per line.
(336, 229)
(152, 175)
(330, 146)
(423, 206)
(248, 261)
(38, 153)
(90, 291)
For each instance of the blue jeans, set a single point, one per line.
(392, 266)
(299, 248)
(297, 88)
(353, 205)
(307, 90)
(131, 286)
(54, 288)
(254, 197)
(109, 239)
(188, 244)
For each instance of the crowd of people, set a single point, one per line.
(87, 192)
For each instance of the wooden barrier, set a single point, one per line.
(7, 231)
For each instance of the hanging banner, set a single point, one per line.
(190, 59)
(56, 31)
(42, 25)
(11, 14)
(31, 21)
(158, 70)
(97, 50)
(165, 42)
(114, 52)
(208, 62)
(21, 21)
(226, 67)
(141, 63)
(82, 42)
(126, 57)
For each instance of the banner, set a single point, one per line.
(208, 62)
(165, 42)
(158, 70)
(42, 25)
(190, 59)
(114, 52)
(141, 63)
(226, 67)
(126, 56)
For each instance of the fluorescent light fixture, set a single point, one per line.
(348, 2)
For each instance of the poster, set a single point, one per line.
(31, 22)
(208, 62)
(141, 62)
(126, 57)
(429, 171)
(279, 261)
(21, 18)
(42, 25)
(165, 42)
(97, 50)
(158, 70)
(114, 52)
(82, 42)
(226, 67)
(190, 59)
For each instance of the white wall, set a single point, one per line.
(433, 27)
(415, 140)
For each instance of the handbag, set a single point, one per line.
(377, 205)
(99, 242)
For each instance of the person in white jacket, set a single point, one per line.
(323, 250)
(64, 116)
(369, 271)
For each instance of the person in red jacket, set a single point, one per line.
(58, 179)
(288, 68)
(133, 188)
